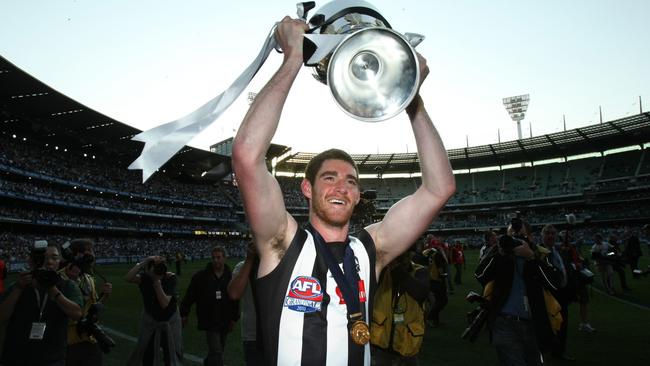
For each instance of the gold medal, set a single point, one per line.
(360, 332)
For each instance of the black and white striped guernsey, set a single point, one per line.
(301, 315)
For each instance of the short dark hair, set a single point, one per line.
(219, 249)
(81, 245)
(487, 235)
(547, 228)
(317, 161)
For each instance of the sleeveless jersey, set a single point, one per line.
(301, 313)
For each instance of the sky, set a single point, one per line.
(148, 62)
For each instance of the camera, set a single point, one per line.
(83, 261)
(637, 273)
(610, 258)
(475, 318)
(45, 277)
(88, 325)
(515, 221)
(160, 268)
(509, 243)
(38, 253)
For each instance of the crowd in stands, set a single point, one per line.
(491, 186)
(100, 171)
(16, 247)
(103, 201)
(216, 206)
(130, 222)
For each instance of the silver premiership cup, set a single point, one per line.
(371, 70)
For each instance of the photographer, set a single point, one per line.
(397, 328)
(83, 347)
(565, 293)
(241, 287)
(216, 312)
(160, 325)
(619, 261)
(514, 275)
(37, 308)
(579, 278)
(600, 252)
(438, 298)
(632, 251)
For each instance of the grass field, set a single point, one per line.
(622, 325)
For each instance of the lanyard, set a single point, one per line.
(349, 282)
(40, 305)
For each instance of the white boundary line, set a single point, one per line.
(186, 356)
(640, 306)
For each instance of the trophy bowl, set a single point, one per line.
(373, 73)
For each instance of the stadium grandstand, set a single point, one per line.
(63, 174)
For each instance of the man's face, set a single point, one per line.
(549, 238)
(334, 193)
(218, 260)
(73, 271)
(493, 239)
(52, 259)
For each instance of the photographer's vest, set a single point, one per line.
(397, 318)
(87, 286)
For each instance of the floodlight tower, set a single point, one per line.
(516, 107)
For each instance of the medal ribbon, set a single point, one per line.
(349, 282)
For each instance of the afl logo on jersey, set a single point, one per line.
(305, 295)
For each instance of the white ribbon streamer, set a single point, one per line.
(162, 142)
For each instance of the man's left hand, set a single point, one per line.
(107, 288)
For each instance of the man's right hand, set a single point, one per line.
(289, 34)
(25, 279)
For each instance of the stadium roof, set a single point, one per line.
(614, 134)
(29, 107)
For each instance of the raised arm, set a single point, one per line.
(133, 275)
(263, 201)
(409, 218)
(240, 276)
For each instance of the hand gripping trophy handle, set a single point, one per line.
(371, 70)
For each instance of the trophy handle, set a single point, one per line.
(304, 8)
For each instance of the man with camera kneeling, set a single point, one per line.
(37, 308)
(86, 340)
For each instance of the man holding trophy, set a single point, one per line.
(315, 284)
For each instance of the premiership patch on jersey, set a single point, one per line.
(305, 295)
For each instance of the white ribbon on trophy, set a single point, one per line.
(162, 142)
